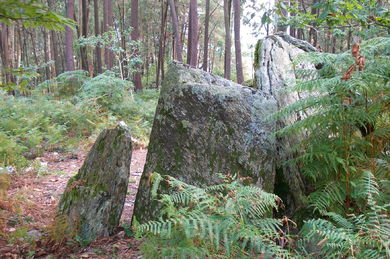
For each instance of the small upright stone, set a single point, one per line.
(94, 198)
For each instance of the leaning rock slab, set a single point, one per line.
(94, 198)
(205, 125)
(278, 66)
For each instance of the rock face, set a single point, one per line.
(94, 198)
(277, 67)
(205, 125)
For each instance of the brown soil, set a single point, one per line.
(35, 197)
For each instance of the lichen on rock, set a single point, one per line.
(206, 125)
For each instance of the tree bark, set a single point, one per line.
(5, 53)
(312, 32)
(192, 52)
(47, 51)
(227, 7)
(237, 41)
(98, 50)
(54, 44)
(160, 57)
(206, 36)
(110, 24)
(84, 32)
(175, 26)
(69, 38)
(107, 24)
(135, 37)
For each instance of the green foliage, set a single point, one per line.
(337, 13)
(32, 125)
(106, 91)
(66, 84)
(74, 106)
(228, 220)
(362, 236)
(347, 126)
(32, 13)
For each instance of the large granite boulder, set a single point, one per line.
(205, 125)
(278, 65)
(94, 198)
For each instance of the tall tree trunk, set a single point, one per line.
(123, 56)
(107, 24)
(312, 32)
(84, 32)
(206, 36)
(237, 42)
(160, 56)
(47, 51)
(192, 50)
(5, 53)
(135, 37)
(227, 7)
(54, 44)
(175, 26)
(98, 50)
(110, 15)
(69, 38)
(54, 52)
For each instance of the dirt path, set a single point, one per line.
(39, 195)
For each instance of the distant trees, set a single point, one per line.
(100, 38)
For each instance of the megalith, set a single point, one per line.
(279, 65)
(206, 125)
(93, 200)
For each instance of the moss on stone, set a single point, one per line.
(257, 57)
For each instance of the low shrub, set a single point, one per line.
(228, 220)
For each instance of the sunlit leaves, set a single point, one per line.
(32, 13)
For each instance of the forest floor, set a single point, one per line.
(37, 196)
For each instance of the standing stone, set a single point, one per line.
(94, 198)
(277, 67)
(205, 125)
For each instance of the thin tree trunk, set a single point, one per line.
(84, 32)
(110, 24)
(175, 26)
(54, 45)
(5, 53)
(105, 29)
(160, 57)
(206, 36)
(237, 42)
(69, 38)
(107, 24)
(312, 32)
(192, 50)
(227, 6)
(135, 37)
(46, 50)
(97, 32)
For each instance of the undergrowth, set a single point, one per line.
(228, 220)
(61, 111)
